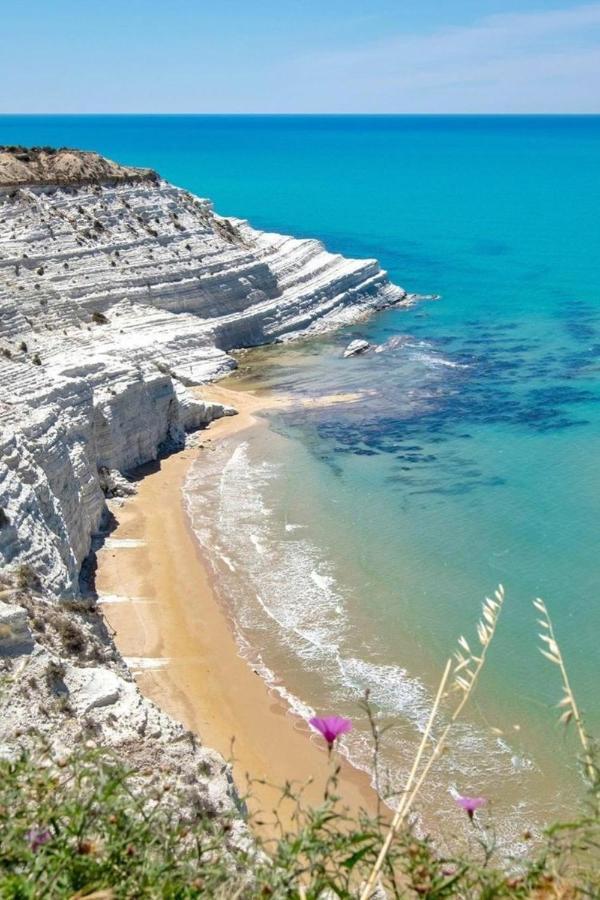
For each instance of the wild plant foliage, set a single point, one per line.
(570, 712)
(464, 674)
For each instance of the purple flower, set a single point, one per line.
(470, 804)
(37, 837)
(331, 727)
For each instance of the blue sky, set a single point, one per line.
(301, 56)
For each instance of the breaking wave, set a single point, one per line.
(294, 623)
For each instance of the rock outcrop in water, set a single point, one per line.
(356, 347)
(118, 291)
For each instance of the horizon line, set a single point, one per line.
(309, 114)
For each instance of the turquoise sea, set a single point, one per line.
(354, 542)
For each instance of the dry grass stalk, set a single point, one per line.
(398, 815)
(466, 671)
(570, 710)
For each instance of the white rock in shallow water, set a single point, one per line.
(356, 347)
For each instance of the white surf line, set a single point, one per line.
(123, 543)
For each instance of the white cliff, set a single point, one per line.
(117, 292)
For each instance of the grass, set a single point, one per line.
(568, 705)
(465, 674)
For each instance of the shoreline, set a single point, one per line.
(179, 641)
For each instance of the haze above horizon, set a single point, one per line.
(480, 56)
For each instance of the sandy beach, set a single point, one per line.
(177, 636)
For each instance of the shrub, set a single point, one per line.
(55, 671)
(73, 637)
(35, 359)
(99, 318)
(26, 578)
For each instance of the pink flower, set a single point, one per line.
(331, 727)
(470, 804)
(37, 837)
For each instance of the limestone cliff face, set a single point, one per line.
(117, 292)
(64, 682)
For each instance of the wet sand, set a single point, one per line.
(168, 621)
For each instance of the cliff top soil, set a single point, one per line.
(46, 166)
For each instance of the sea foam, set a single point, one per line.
(287, 603)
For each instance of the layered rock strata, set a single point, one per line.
(119, 291)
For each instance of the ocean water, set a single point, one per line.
(354, 542)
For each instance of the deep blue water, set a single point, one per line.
(475, 459)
